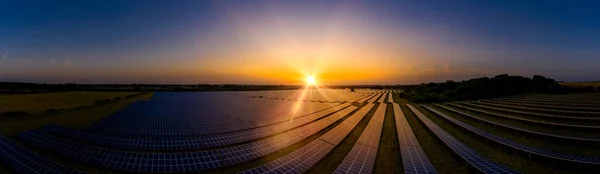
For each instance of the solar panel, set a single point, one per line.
(583, 159)
(476, 160)
(377, 96)
(25, 161)
(361, 159)
(382, 98)
(390, 98)
(414, 159)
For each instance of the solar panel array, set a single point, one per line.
(583, 159)
(541, 122)
(361, 159)
(305, 157)
(537, 105)
(476, 160)
(541, 115)
(557, 111)
(574, 139)
(413, 156)
(134, 161)
(196, 132)
(25, 161)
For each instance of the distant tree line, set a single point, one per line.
(18, 87)
(480, 88)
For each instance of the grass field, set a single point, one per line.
(36, 103)
(79, 118)
(580, 83)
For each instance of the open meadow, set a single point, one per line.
(37, 103)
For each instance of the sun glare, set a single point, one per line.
(310, 80)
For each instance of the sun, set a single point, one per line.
(310, 80)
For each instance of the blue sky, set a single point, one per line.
(241, 41)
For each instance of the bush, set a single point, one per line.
(15, 114)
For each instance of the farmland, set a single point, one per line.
(311, 131)
(36, 103)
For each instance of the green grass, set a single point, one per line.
(389, 159)
(332, 160)
(36, 103)
(78, 118)
(493, 151)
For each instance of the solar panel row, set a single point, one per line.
(382, 98)
(563, 100)
(413, 156)
(372, 100)
(185, 143)
(312, 116)
(503, 116)
(365, 98)
(390, 98)
(298, 161)
(550, 111)
(361, 159)
(574, 139)
(533, 113)
(24, 161)
(476, 160)
(583, 159)
(534, 105)
(141, 130)
(586, 107)
(305, 157)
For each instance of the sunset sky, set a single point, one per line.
(280, 42)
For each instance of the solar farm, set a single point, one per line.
(320, 131)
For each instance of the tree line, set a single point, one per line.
(481, 88)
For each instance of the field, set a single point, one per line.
(316, 131)
(580, 83)
(36, 103)
(78, 118)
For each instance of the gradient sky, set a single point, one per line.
(279, 42)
